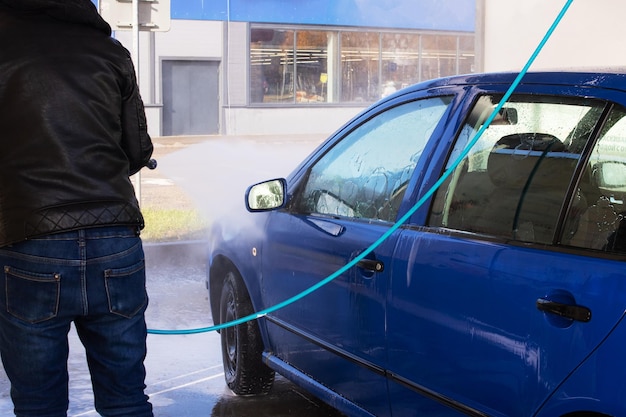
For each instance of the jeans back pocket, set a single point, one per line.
(30, 296)
(126, 289)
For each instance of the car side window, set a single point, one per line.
(365, 174)
(513, 183)
(602, 225)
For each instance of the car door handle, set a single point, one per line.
(371, 265)
(574, 312)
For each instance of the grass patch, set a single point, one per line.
(172, 225)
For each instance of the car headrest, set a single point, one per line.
(540, 156)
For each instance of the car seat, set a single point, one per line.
(600, 227)
(531, 173)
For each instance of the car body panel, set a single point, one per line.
(451, 325)
(585, 390)
(510, 349)
(346, 315)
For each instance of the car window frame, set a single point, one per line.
(298, 181)
(441, 156)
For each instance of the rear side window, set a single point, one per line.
(513, 184)
(602, 226)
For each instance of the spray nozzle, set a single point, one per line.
(151, 164)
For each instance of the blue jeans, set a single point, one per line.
(96, 279)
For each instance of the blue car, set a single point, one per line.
(501, 293)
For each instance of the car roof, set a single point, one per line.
(609, 78)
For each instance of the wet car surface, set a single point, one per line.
(501, 292)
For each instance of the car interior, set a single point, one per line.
(521, 190)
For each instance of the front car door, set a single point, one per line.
(348, 197)
(505, 291)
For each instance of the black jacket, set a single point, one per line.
(72, 123)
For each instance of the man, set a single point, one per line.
(72, 131)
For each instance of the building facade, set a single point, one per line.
(587, 36)
(243, 67)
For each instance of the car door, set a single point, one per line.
(498, 299)
(347, 199)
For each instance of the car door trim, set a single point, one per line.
(372, 367)
(435, 396)
(327, 346)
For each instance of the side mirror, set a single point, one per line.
(267, 195)
(506, 116)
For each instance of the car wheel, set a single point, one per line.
(244, 370)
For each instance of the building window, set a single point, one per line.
(360, 69)
(400, 61)
(271, 66)
(313, 49)
(297, 66)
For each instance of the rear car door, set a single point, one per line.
(515, 278)
(348, 197)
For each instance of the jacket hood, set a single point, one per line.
(72, 11)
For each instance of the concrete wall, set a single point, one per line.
(590, 34)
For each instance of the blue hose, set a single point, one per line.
(404, 218)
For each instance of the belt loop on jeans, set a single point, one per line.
(82, 236)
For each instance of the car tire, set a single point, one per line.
(242, 345)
